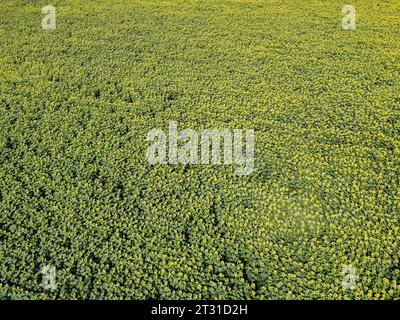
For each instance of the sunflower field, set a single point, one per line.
(78, 194)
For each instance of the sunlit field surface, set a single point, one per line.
(77, 192)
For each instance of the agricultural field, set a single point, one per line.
(317, 218)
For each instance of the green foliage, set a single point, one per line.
(77, 192)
